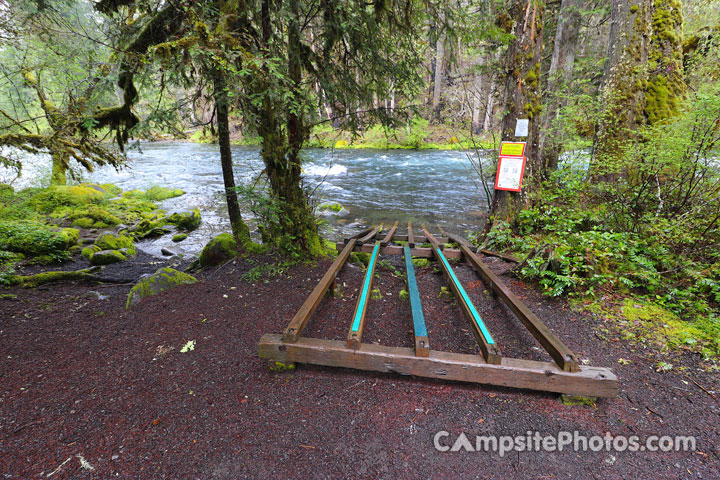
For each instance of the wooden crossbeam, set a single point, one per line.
(369, 236)
(301, 318)
(487, 345)
(356, 329)
(388, 238)
(398, 250)
(516, 373)
(564, 357)
(410, 237)
(422, 345)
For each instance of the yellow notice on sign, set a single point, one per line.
(512, 149)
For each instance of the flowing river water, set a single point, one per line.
(438, 188)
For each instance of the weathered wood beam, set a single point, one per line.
(422, 344)
(564, 357)
(487, 344)
(369, 236)
(410, 237)
(388, 238)
(398, 250)
(354, 336)
(515, 373)
(302, 317)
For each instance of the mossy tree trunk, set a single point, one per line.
(239, 228)
(522, 100)
(295, 229)
(645, 87)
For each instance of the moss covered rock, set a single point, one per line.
(157, 194)
(88, 252)
(31, 238)
(110, 241)
(160, 281)
(56, 196)
(179, 237)
(219, 250)
(93, 217)
(106, 257)
(71, 235)
(185, 220)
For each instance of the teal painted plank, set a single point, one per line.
(366, 287)
(415, 305)
(475, 314)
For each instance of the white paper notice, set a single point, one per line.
(521, 127)
(510, 173)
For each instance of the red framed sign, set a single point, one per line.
(510, 173)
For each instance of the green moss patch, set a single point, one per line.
(110, 241)
(219, 250)
(31, 238)
(160, 281)
(185, 220)
(179, 237)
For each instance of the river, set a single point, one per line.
(438, 188)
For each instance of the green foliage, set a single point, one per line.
(33, 239)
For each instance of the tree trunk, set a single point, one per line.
(60, 161)
(239, 229)
(522, 100)
(295, 230)
(439, 77)
(559, 76)
(623, 92)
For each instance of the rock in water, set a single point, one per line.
(218, 250)
(160, 281)
(185, 220)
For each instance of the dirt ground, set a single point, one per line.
(91, 390)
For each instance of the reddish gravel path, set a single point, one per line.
(82, 377)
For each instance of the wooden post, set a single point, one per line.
(411, 237)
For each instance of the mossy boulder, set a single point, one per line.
(106, 257)
(157, 194)
(71, 235)
(219, 250)
(179, 237)
(332, 208)
(160, 281)
(185, 220)
(93, 217)
(88, 252)
(56, 196)
(111, 241)
(31, 238)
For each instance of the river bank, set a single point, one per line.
(92, 389)
(419, 134)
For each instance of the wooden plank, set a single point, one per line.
(301, 318)
(356, 329)
(410, 237)
(564, 357)
(398, 250)
(388, 238)
(417, 239)
(461, 241)
(487, 345)
(357, 235)
(515, 373)
(369, 236)
(422, 345)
